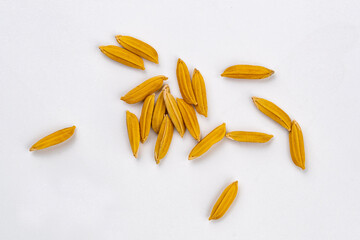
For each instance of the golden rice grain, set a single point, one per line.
(224, 201)
(297, 149)
(184, 81)
(208, 141)
(54, 138)
(123, 56)
(189, 116)
(164, 138)
(198, 84)
(247, 72)
(132, 124)
(143, 90)
(146, 116)
(138, 47)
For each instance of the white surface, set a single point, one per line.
(53, 76)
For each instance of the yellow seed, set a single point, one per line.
(164, 139)
(224, 201)
(189, 115)
(54, 138)
(255, 137)
(146, 115)
(123, 56)
(132, 124)
(184, 81)
(208, 141)
(247, 72)
(198, 84)
(159, 111)
(138, 47)
(273, 112)
(297, 149)
(143, 90)
(174, 112)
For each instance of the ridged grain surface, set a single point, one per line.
(184, 81)
(243, 136)
(133, 129)
(138, 47)
(207, 142)
(146, 116)
(198, 84)
(163, 140)
(174, 112)
(159, 111)
(247, 72)
(54, 138)
(273, 112)
(143, 90)
(297, 149)
(224, 201)
(189, 116)
(123, 56)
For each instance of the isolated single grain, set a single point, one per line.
(54, 138)
(133, 129)
(247, 72)
(255, 137)
(224, 201)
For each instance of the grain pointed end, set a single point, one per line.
(254, 99)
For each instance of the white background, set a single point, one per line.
(54, 76)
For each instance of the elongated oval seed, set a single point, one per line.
(184, 81)
(255, 137)
(273, 112)
(224, 201)
(159, 111)
(297, 149)
(247, 72)
(198, 84)
(143, 90)
(138, 47)
(189, 116)
(146, 116)
(132, 124)
(123, 56)
(174, 112)
(53, 139)
(164, 138)
(208, 141)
